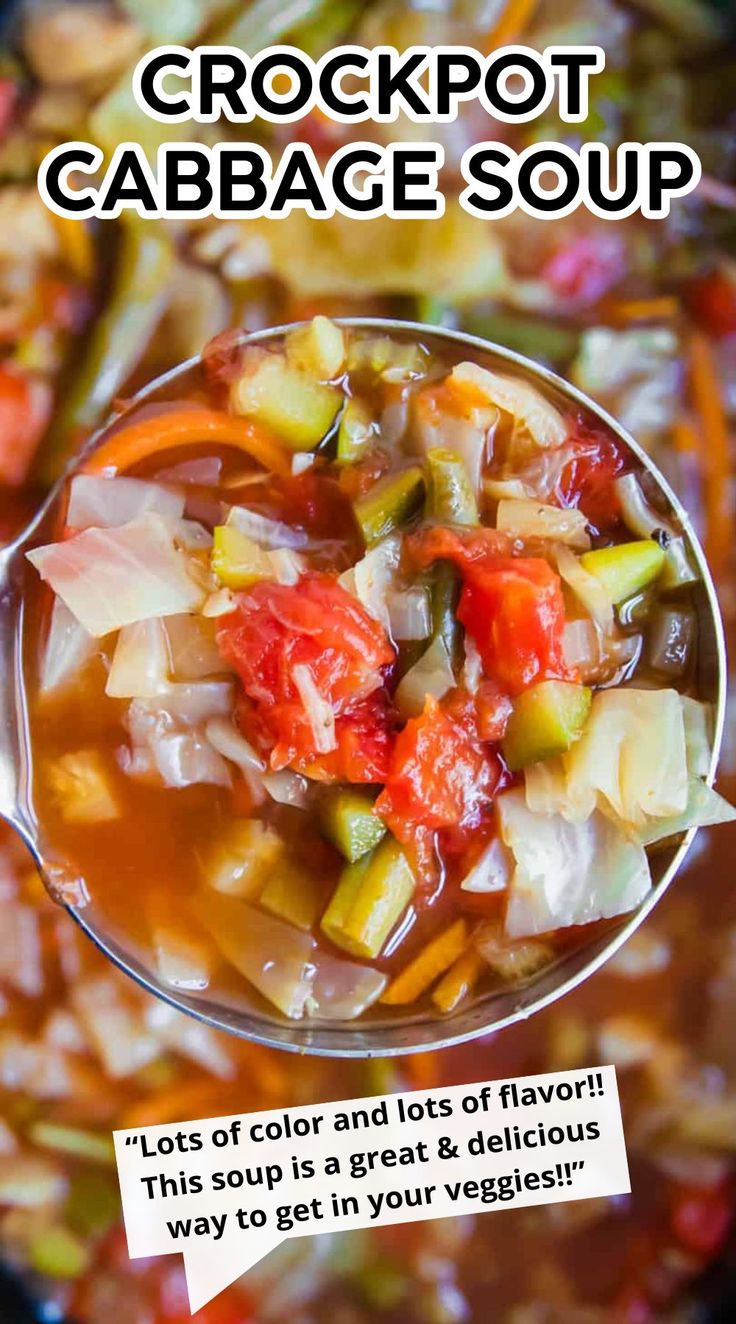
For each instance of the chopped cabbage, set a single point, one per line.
(68, 648)
(168, 740)
(534, 519)
(491, 872)
(140, 664)
(106, 503)
(698, 740)
(193, 648)
(276, 958)
(567, 873)
(109, 578)
(371, 579)
(343, 990)
(268, 533)
(704, 808)
(534, 417)
(431, 675)
(588, 589)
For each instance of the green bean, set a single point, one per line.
(445, 625)
(390, 503)
(451, 496)
(117, 342)
(554, 344)
(266, 22)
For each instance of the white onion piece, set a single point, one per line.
(219, 603)
(269, 533)
(167, 735)
(109, 578)
(587, 588)
(203, 472)
(192, 536)
(409, 614)
(180, 961)
(532, 519)
(318, 710)
(287, 788)
(492, 871)
(532, 413)
(106, 503)
(68, 648)
(288, 566)
(343, 990)
(581, 645)
(431, 675)
(276, 958)
(140, 664)
(186, 758)
(224, 736)
(193, 648)
(302, 461)
(472, 673)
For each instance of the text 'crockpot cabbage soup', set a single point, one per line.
(367, 678)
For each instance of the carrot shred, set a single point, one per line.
(707, 398)
(428, 965)
(685, 437)
(459, 981)
(77, 248)
(186, 427)
(176, 1103)
(516, 16)
(662, 308)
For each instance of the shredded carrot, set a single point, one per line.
(186, 427)
(707, 398)
(685, 437)
(77, 248)
(516, 16)
(423, 1070)
(459, 981)
(428, 965)
(663, 308)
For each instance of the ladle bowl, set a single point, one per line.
(492, 1011)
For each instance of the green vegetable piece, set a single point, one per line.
(72, 1140)
(355, 432)
(117, 343)
(57, 1252)
(541, 340)
(626, 569)
(318, 349)
(547, 719)
(237, 560)
(451, 496)
(390, 503)
(370, 898)
(93, 1203)
(266, 22)
(297, 408)
(293, 895)
(445, 597)
(350, 824)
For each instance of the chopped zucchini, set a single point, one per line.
(297, 408)
(369, 900)
(390, 503)
(355, 433)
(237, 560)
(57, 1252)
(547, 719)
(293, 895)
(242, 858)
(349, 822)
(451, 496)
(317, 349)
(626, 569)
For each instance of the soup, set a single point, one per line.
(369, 673)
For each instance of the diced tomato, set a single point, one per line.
(512, 606)
(365, 738)
(493, 707)
(587, 480)
(584, 269)
(316, 624)
(8, 102)
(701, 1220)
(441, 776)
(25, 409)
(222, 357)
(711, 299)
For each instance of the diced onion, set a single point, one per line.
(224, 736)
(533, 519)
(409, 614)
(431, 675)
(268, 533)
(287, 566)
(219, 603)
(500, 489)
(318, 710)
(203, 472)
(140, 664)
(193, 648)
(581, 645)
(109, 578)
(492, 871)
(587, 588)
(181, 963)
(106, 503)
(302, 461)
(68, 648)
(532, 413)
(646, 522)
(287, 788)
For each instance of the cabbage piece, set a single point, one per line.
(69, 647)
(269, 533)
(287, 788)
(534, 519)
(80, 786)
(588, 589)
(225, 737)
(698, 739)
(704, 808)
(276, 958)
(510, 959)
(140, 664)
(109, 578)
(631, 758)
(343, 990)
(432, 674)
(107, 503)
(181, 961)
(319, 712)
(491, 872)
(409, 614)
(534, 417)
(465, 429)
(567, 873)
(168, 740)
(193, 648)
(371, 579)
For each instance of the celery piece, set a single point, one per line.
(451, 497)
(317, 349)
(390, 503)
(369, 900)
(349, 822)
(546, 720)
(546, 341)
(297, 408)
(237, 560)
(626, 569)
(56, 1252)
(72, 1140)
(355, 432)
(293, 895)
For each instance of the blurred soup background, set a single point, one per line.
(642, 316)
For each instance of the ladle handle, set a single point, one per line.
(14, 751)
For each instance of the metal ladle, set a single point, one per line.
(491, 1011)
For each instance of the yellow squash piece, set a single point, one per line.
(237, 560)
(317, 349)
(547, 719)
(296, 407)
(369, 900)
(626, 569)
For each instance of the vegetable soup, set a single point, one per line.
(365, 677)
